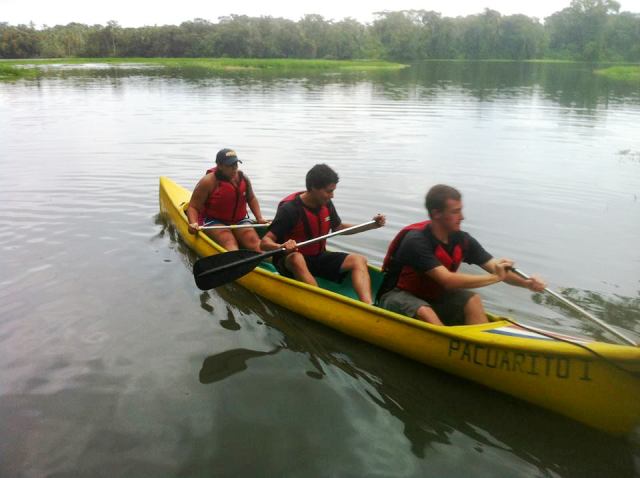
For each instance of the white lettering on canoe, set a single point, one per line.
(529, 363)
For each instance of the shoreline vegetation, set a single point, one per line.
(29, 68)
(32, 68)
(626, 73)
(8, 71)
(594, 31)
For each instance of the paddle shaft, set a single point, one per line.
(232, 226)
(579, 309)
(257, 259)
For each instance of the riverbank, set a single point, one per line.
(629, 74)
(11, 72)
(30, 68)
(26, 68)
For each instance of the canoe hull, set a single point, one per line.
(549, 373)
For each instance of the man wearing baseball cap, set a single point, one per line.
(221, 198)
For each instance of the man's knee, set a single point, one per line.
(355, 262)
(250, 240)
(427, 314)
(474, 302)
(474, 311)
(295, 262)
(225, 238)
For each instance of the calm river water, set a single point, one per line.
(115, 364)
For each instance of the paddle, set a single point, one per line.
(214, 271)
(232, 226)
(579, 309)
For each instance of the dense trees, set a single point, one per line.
(592, 30)
(580, 30)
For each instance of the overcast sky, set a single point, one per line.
(133, 13)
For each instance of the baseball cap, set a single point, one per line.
(227, 157)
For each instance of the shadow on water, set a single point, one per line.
(220, 366)
(434, 408)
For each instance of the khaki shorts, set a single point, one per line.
(449, 307)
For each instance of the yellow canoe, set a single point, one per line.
(597, 384)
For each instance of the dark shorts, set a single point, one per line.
(326, 265)
(449, 307)
(212, 221)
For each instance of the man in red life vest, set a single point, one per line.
(421, 279)
(308, 214)
(221, 198)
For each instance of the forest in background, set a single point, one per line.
(587, 30)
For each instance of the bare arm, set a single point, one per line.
(534, 283)
(198, 200)
(460, 280)
(269, 243)
(254, 205)
(252, 201)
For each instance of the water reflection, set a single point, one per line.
(225, 364)
(620, 311)
(630, 156)
(230, 322)
(570, 85)
(436, 410)
(187, 255)
(105, 346)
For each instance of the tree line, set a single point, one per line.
(592, 30)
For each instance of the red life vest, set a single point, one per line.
(418, 283)
(226, 202)
(309, 225)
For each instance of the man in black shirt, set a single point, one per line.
(422, 262)
(308, 214)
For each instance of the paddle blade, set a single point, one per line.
(214, 271)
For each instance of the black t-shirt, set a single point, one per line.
(288, 216)
(417, 250)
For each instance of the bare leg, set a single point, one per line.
(474, 311)
(296, 264)
(224, 237)
(248, 239)
(427, 314)
(360, 279)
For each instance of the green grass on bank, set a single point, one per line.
(276, 64)
(214, 64)
(15, 69)
(630, 74)
(12, 72)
